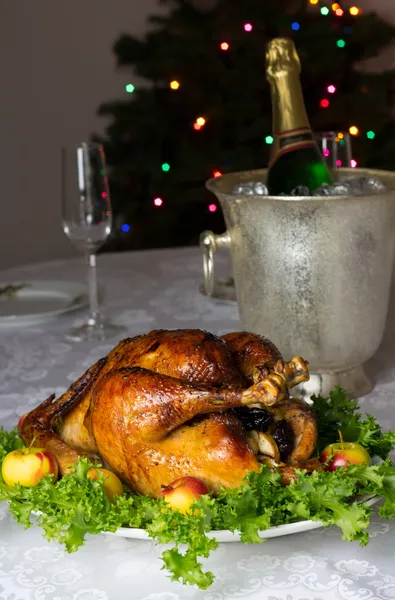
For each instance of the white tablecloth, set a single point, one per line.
(143, 291)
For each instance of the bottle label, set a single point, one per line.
(289, 141)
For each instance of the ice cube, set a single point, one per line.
(364, 185)
(244, 189)
(340, 189)
(301, 190)
(323, 190)
(374, 185)
(260, 189)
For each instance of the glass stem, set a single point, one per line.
(94, 310)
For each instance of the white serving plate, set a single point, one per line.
(39, 301)
(226, 536)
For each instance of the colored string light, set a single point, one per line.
(248, 27)
(212, 207)
(217, 174)
(354, 11)
(353, 130)
(340, 43)
(269, 139)
(339, 163)
(129, 87)
(324, 103)
(166, 167)
(125, 228)
(295, 26)
(158, 202)
(313, 1)
(339, 12)
(174, 85)
(324, 10)
(335, 6)
(353, 163)
(199, 123)
(370, 135)
(331, 89)
(327, 152)
(224, 46)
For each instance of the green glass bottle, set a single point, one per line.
(296, 159)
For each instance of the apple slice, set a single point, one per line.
(268, 446)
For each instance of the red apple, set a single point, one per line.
(28, 465)
(112, 484)
(341, 454)
(183, 492)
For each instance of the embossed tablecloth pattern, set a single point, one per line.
(143, 291)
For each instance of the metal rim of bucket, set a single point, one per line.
(214, 185)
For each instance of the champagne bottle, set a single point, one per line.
(296, 160)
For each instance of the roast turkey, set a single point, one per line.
(181, 402)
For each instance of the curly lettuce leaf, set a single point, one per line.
(341, 412)
(9, 440)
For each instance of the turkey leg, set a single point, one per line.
(255, 356)
(150, 405)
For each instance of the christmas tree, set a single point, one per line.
(205, 108)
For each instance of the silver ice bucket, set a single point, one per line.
(312, 274)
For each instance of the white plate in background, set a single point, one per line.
(38, 301)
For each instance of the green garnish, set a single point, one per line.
(76, 505)
(340, 411)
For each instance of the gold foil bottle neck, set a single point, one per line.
(281, 57)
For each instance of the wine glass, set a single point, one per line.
(336, 148)
(87, 220)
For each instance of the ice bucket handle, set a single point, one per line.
(209, 242)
